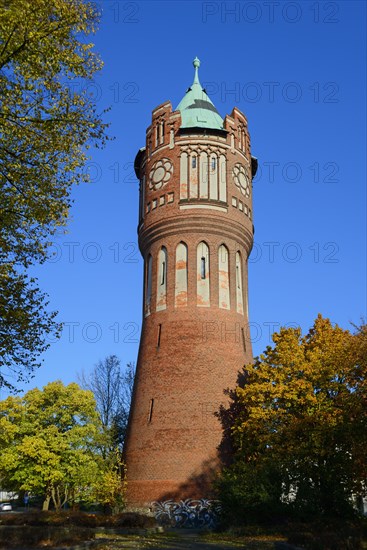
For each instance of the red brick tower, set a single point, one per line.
(195, 235)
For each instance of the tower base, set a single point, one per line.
(143, 493)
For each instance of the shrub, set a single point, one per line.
(128, 520)
(11, 536)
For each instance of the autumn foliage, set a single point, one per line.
(297, 427)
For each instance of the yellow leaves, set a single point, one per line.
(110, 488)
(304, 404)
(302, 413)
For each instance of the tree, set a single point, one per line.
(298, 423)
(24, 322)
(112, 388)
(110, 491)
(49, 444)
(47, 123)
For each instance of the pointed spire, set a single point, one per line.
(197, 110)
(196, 64)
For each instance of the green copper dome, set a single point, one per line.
(197, 111)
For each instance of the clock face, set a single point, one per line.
(160, 173)
(241, 179)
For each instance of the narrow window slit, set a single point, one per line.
(203, 268)
(159, 335)
(151, 410)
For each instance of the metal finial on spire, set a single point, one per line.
(196, 64)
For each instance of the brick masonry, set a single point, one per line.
(188, 354)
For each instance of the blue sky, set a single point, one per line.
(297, 70)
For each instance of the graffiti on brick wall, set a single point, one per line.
(187, 513)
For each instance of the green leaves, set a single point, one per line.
(24, 320)
(50, 443)
(46, 127)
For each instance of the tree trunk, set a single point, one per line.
(56, 498)
(46, 503)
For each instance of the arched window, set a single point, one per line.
(193, 177)
(181, 276)
(239, 288)
(183, 176)
(222, 179)
(203, 175)
(223, 277)
(213, 177)
(148, 285)
(202, 263)
(162, 279)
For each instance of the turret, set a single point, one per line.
(195, 235)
